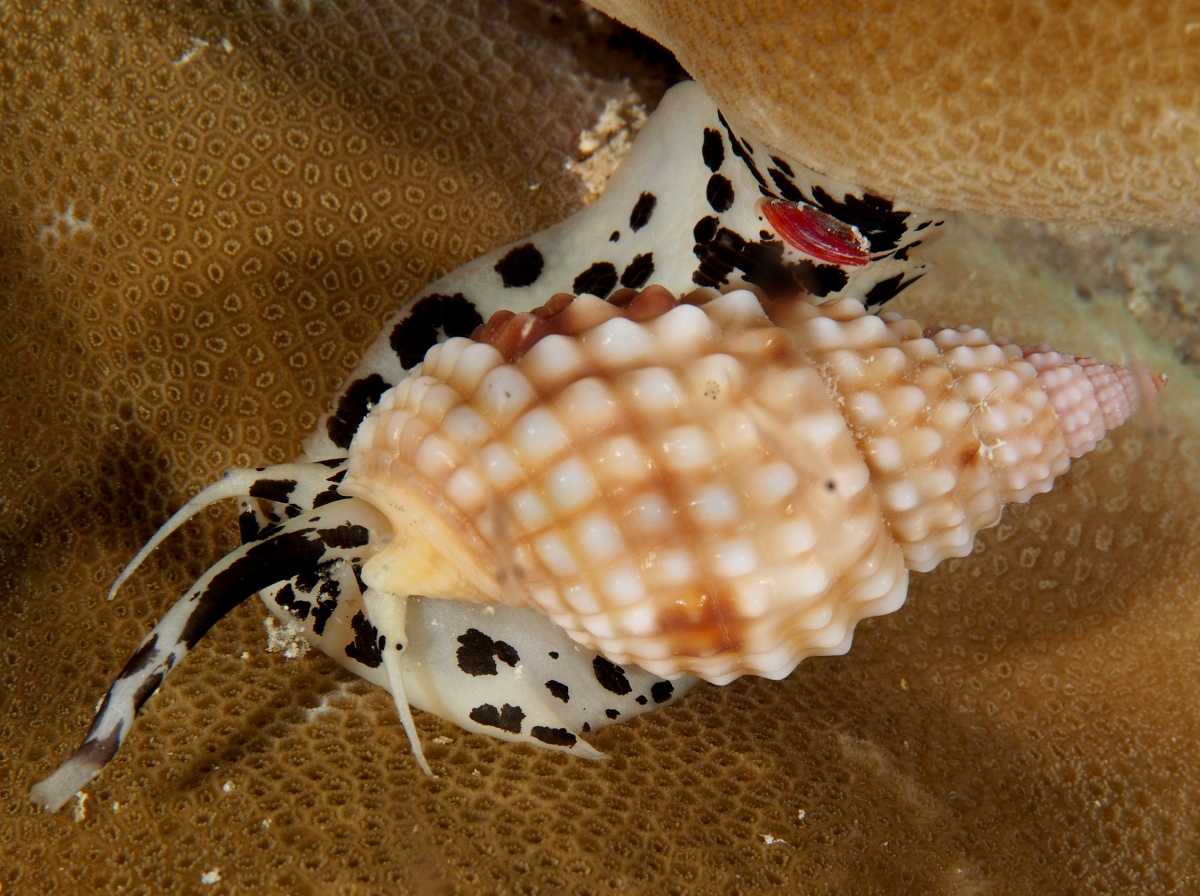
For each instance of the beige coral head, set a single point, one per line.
(707, 489)
(1083, 112)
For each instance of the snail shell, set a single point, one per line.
(712, 489)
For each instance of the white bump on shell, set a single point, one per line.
(715, 505)
(734, 557)
(624, 586)
(466, 427)
(503, 393)
(555, 553)
(437, 458)
(619, 343)
(569, 486)
(686, 449)
(536, 437)
(476, 361)
(553, 360)
(653, 390)
(651, 514)
(500, 466)
(682, 333)
(529, 509)
(598, 537)
(588, 407)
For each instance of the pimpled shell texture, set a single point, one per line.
(706, 489)
(1084, 112)
(1025, 724)
(676, 489)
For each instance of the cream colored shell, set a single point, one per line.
(708, 491)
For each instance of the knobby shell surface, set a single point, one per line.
(1048, 676)
(709, 489)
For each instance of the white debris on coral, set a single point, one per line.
(79, 812)
(602, 147)
(63, 224)
(287, 639)
(196, 46)
(771, 841)
(338, 696)
(211, 877)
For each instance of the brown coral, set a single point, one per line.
(1085, 112)
(1026, 724)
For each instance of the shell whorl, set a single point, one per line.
(708, 489)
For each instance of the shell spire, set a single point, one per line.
(714, 489)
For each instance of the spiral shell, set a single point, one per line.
(712, 489)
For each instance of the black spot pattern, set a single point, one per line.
(559, 690)
(368, 644)
(146, 690)
(613, 713)
(599, 280)
(787, 189)
(642, 210)
(328, 496)
(820, 279)
(322, 612)
(713, 149)
(661, 691)
(886, 290)
(556, 737)
(874, 217)
(761, 263)
(719, 192)
(352, 407)
(638, 271)
(145, 655)
(276, 490)
(266, 562)
(705, 229)
(248, 528)
(641, 700)
(611, 676)
(521, 266)
(286, 598)
(783, 166)
(614, 236)
(97, 752)
(416, 334)
(742, 152)
(328, 590)
(506, 718)
(479, 653)
(345, 536)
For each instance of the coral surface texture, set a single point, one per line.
(206, 212)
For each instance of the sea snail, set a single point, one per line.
(639, 493)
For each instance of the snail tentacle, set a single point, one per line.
(301, 544)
